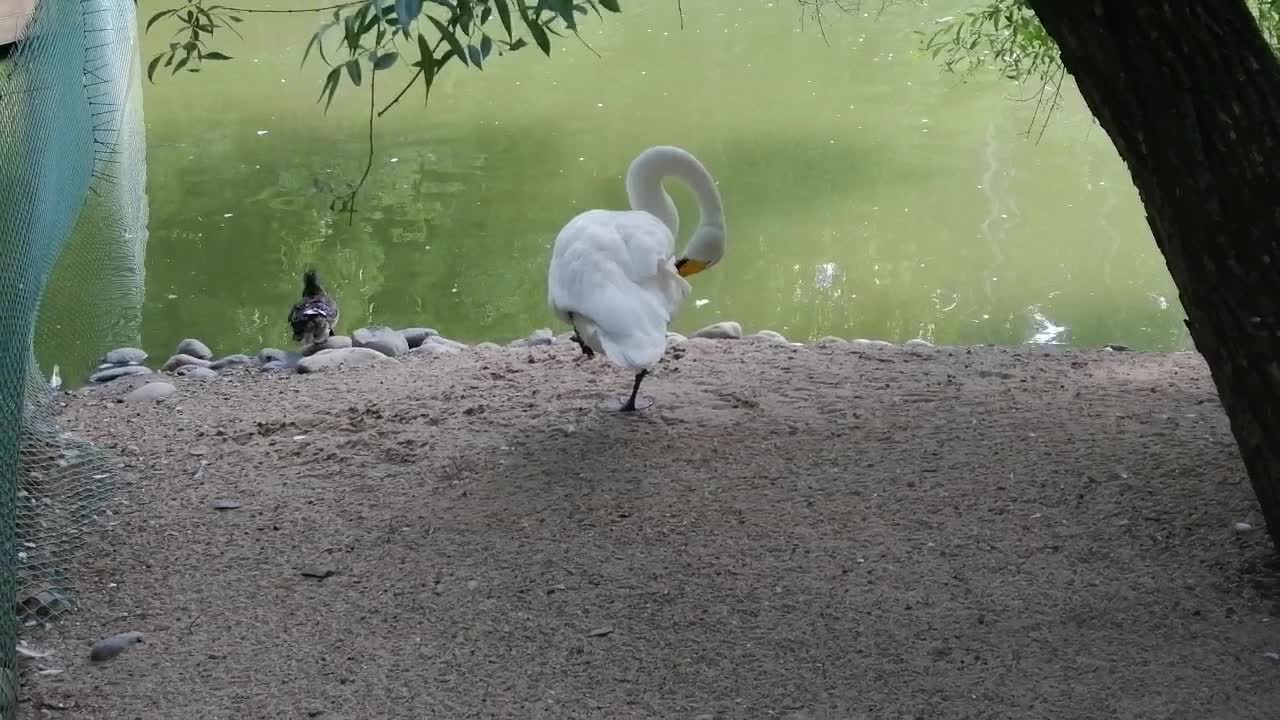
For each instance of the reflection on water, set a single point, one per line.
(867, 194)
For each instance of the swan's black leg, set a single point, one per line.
(630, 405)
(578, 339)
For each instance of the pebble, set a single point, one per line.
(872, 343)
(675, 338)
(231, 361)
(417, 336)
(320, 569)
(108, 648)
(194, 348)
(124, 356)
(439, 340)
(541, 336)
(1241, 527)
(430, 348)
(266, 355)
(727, 330)
(178, 361)
(118, 372)
(195, 371)
(225, 504)
(769, 335)
(274, 365)
(831, 340)
(917, 343)
(380, 338)
(1117, 347)
(344, 358)
(480, 346)
(337, 342)
(151, 392)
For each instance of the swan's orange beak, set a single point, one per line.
(687, 267)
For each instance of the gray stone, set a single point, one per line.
(430, 348)
(194, 348)
(118, 371)
(108, 648)
(564, 338)
(872, 343)
(440, 340)
(480, 346)
(273, 365)
(380, 338)
(675, 338)
(333, 342)
(342, 358)
(769, 335)
(320, 569)
(917, 343)
(541, 336)
(195, 371)
(151, 392)
(831, 340)
(1241, 527)
(225, 504)
(417, 336)
(124, 356)
(266, 355)
(727, 330)
(178, 361)
(1117, 347)
(231, 361)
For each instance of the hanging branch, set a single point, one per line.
(368, 33)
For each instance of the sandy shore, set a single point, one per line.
(827, 532)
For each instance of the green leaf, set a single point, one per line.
(160, 16)
(330, 86)
(477, 59)
(353, 70)
(315, 39)
(385, 60)
(407, 11)
(535, 28)
(427, 62)
(215, 55)
(564, 8)
(610, 5)
(486, 46)
(504, 15)
(449, 38)
(151, 67)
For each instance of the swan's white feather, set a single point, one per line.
(614, 271)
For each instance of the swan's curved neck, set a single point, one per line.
(645, 191)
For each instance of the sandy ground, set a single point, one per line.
(804, 533)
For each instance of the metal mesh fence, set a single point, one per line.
(72, 230)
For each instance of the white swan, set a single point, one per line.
(614, 276)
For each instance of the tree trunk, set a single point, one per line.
(1189, 91)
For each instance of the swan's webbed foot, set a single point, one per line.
(633, 403)
(587, 352)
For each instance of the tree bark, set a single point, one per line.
(1189, 91)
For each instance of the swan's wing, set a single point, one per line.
(615, 271)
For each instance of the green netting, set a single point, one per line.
(72, 236)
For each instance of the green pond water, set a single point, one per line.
(868, 194)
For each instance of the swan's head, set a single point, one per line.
(705, 249)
